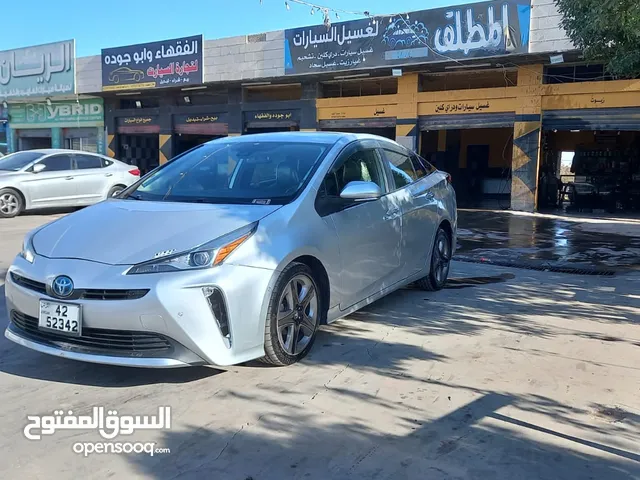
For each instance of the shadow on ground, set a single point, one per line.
(474, 441)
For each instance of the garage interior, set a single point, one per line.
(479, 161)
(590, 171)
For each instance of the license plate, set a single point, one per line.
(61, 317)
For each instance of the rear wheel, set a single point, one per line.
(115, 190)
(11, 203)
(440, 262)
(293, 316)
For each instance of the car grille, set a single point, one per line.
(120, 341)
(87, 293)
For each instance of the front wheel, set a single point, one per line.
(11, 203)
(440, 262)
(293, 316)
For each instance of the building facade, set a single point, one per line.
(492, 92)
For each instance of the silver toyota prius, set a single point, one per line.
(238, 249)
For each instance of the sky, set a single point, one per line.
(96, 25)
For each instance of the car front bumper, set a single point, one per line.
(172, 325)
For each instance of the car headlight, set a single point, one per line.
(209, 255)
(28, 252)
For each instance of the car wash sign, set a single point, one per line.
(169, 63)
(485, 29)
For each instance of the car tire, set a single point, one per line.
(115, 190)
(292, 322)
(11, 203)
(440, 263)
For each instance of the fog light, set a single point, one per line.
(219, 310)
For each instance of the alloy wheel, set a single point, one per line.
(441, 259)
(297, 317)
(9, 204)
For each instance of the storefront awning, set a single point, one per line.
(337, 124)
(626, 118)
(469, 120)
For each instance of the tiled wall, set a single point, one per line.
(245, 57)
(546, 35)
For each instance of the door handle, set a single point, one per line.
(391, 214)
(109, 175)
(69, 178)
(427, 195)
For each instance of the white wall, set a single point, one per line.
(89, 74)
(242, 58)
(546, 35)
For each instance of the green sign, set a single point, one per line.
(83, 113)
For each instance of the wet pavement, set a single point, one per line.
(505, 238)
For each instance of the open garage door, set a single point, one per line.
(476, 149)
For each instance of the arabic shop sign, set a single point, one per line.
(130, 121)
(83, 113)
(40, 71)
(462, 107)
(272, 116)
(470, 31)
(170, 63)
(200, 119)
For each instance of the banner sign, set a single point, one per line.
(272, 116)
(83, 113)
(40, 71)
(200, 119)
(169, 63)
(453, 33)
(142, 120)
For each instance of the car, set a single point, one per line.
(59, 178)
(126, 74)
(238, 249)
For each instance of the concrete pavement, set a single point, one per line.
(539, 240)
(505, 374)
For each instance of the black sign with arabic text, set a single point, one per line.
(476, 30)
(199, 119)
(169, 63)
(273, 116)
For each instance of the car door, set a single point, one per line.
(414, 187)
(54, 186)
(369, 232)
(93, 180)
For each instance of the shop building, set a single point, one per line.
(492, 92)
(42, 103)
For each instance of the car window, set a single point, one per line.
(401, 168)
(361, 165)
(421, 166)
(84, 162)
(235, 172)
(106, 163)
(56, 163)
(18, 160)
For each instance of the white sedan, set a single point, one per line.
(59, 178)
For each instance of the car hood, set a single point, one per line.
(126, 232)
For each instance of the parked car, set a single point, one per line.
(236, 250)
(59, 178)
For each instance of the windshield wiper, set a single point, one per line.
(134, 197)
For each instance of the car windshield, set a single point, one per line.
(16, 161)
(234, 172)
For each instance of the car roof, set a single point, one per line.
(49, 151)
(310, 137)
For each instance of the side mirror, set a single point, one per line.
(361, 191)
(38, 167)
